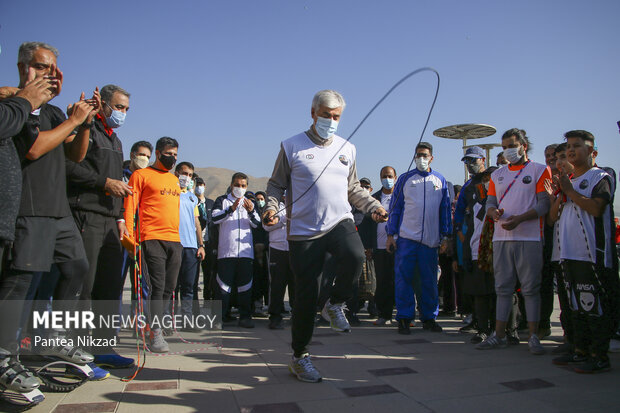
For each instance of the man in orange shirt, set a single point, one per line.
(157, 192)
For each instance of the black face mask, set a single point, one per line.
(167, 161)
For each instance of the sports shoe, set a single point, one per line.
(492, 342)
(334, 313)
(246, 323)
(534, 345)
(98, 373)
(432, 325)
(403, 326)
(570, 359)
(14, 376)
(479, 337)
(113, 361)
(304, 369)
(468, 319)
(614, 345)
(158, 343)
(469, 328)
(593, 365)
(382, 321)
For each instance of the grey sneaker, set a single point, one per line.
(304, 369)
(492, 342)
(382, 322)
(334, 313)
(158, 343)
(535, 347)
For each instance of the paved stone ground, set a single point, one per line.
(371, 369)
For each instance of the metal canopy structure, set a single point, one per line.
(464, 132)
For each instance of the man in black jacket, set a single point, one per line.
(95, 189)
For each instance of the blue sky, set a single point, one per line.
(231, 79)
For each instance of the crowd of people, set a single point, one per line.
(492, 250)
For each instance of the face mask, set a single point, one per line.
(422, 164)
(387, 183)
(326, 128)
(140, 162)
(184, 181)
(200, 190)
(238, 192)
(513, 155)
(167, 161)
(116, 118)
(473, 168)
(261, 204)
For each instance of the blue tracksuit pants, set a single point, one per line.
(415, 271)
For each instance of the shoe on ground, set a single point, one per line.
(382, 321)
(570, 359)
(593, 365)
(275, 325)
(534, 345)
(404, 326)
(14, 376)
(564, 348)
(304, 369)
(479, 337)
(614, 345)
(432, 325)
(492, 342)
(158, 343)
(544, 332)
(98, 372)
(468, 319)
(113, 361)
(353, 320)
(246, 323)
(470, 327)
(334, 313)
(513, 338)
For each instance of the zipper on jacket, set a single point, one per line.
(423, 207)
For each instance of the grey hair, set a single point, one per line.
(109, 90)
(27, 49)
(328, 98)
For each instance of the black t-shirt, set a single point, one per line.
(44, 183)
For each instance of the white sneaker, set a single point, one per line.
(304, 369)
(334, 313)
(535, 347)
(382, 322)
(158, 343)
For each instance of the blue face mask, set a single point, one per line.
(116, 118)
(326, 128)
(387, 183)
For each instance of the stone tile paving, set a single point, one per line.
(371, 369)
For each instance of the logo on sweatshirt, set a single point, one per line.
(527, 179)
(584, 184)
(343, 159)
(309, 156)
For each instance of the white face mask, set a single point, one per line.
(184, 181)
(199, 190)
(140, 162)
(238, 192)
(513, 155)
(422, 163)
